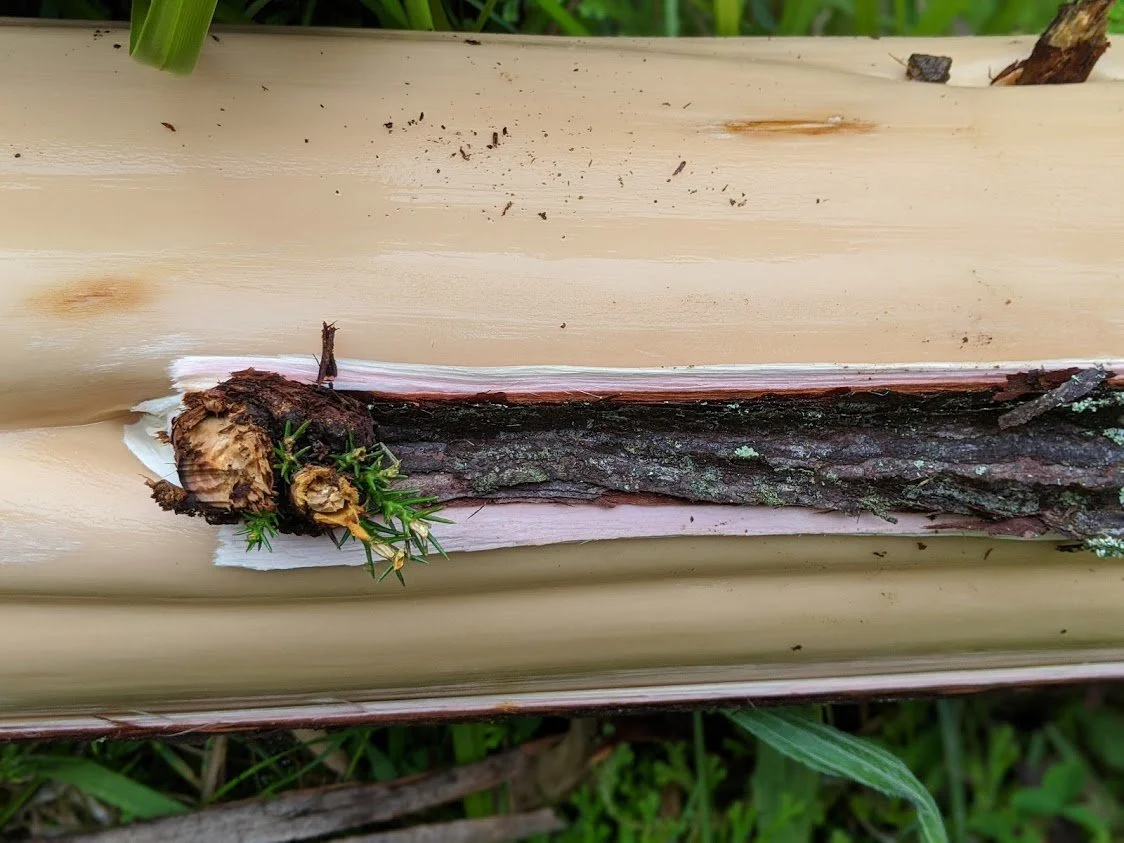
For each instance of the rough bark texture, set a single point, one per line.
(1068, 49)
(874, 452)
(926, 68)
(1056, 467)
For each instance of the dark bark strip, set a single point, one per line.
(1067, 51)
(852, 453)
(944, 452)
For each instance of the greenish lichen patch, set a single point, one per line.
(1095, 403)
(745, 452)
(1114, 435)
(1106, 547)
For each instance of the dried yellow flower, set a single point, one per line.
(329, 498)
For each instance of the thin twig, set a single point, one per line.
(497, 829)
(1075, 388)
(306, 814)
(328, 369)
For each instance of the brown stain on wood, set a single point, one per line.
(87, 297)
(808, 127)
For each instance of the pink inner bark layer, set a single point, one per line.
(559, 383)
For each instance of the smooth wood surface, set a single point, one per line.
(828, 210)
(890, 222)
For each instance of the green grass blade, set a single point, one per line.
(939, 15)
(866, 17)
(949, 714)
(255, 7)
(468, 746)
(114, 789)
(797, 17)
(485, 12)
(671, 18)
(16, 803)
(901, 16)
(169, 34)
(566, 22)
(727, 17)
(419, 16)
(833, 752)
(390, 13)
(702, 784)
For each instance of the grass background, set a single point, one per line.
(1013, 767)
(610, 17)
(1041, 767)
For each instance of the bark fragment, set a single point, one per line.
(925, 68)
(1020, 467)
(1068, 49)
(1078, 386)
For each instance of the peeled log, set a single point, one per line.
(828, 211)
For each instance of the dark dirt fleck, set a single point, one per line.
(472, 42)
(679, 169)
(796, 648)
(506, 208)
(168, 126)
(542, 215)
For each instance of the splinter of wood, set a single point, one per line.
(328, 369)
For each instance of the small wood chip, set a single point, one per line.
(925, 68)
(328, 369)
(1068, 49)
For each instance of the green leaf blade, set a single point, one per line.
(832, 752)
(133, 798)
(169, 34)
